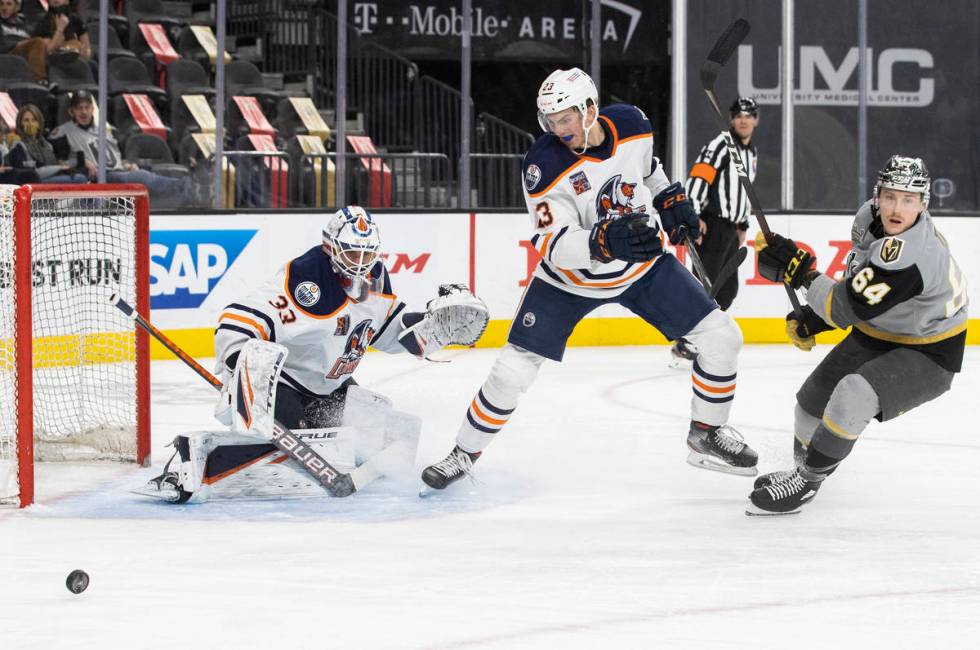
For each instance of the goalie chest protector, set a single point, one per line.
(305, 308)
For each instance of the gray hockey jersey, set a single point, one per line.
(901, 289)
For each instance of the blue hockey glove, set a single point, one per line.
(676, 213)
(627, 238)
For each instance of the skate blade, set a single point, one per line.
(753, 511)
(679, 363)
(704, 461)
(427, 491)
(153, 492)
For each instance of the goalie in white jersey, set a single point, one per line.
(321, 311)
(594, 191)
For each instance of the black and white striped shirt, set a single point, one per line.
(713, 183)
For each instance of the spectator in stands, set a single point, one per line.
(9, 175)
(30, 151)
(13, 26)
(58, 30)
(82, 135)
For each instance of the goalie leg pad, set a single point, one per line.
(247, 400)
(378, 425)
(512, 374)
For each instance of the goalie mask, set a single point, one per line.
(564, 89)
(905, 175)
(353, 241)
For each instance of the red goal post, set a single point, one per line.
(74, 370)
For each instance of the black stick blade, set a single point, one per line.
(725, 47)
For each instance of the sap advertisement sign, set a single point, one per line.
(185, 265)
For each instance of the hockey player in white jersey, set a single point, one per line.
(601, 209)
(295, 343)
(904, 297)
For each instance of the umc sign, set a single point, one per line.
(814, 63)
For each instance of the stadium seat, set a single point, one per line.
(145, 119)
(117, 23)
(243, 78)
(18, 82)
(114, 48)
(152, 11)
(190, 48)
(150, 152)
(128, 75)
(71, 76)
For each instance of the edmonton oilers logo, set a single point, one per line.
(529, 319)
(307, 294)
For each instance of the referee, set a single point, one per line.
(722, 203)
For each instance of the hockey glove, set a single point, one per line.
(781, 260)
(455, 317)
(627, 238)
(676, 214)
(802, 332)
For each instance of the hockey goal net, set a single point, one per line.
(74, 372)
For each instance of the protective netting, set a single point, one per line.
(84, 351)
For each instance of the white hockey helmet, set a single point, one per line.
(565, 89)
(353, 241)
(906, 175)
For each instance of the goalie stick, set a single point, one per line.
(336, 483)
(717, 58)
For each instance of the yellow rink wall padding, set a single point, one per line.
(590, 332)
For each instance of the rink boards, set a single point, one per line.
(200, 263)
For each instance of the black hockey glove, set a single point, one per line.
(676, 213)
(783, 261)
(627, 238)
(801, 332)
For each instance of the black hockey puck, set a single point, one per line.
(77, 581)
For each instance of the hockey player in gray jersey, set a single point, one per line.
(906, 300)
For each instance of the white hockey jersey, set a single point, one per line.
(567, 194)
(305, 309)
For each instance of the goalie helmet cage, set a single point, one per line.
(74, 372)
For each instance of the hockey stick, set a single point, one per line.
(336, 483)
(717, 58)
(699, 265)
(731, 266)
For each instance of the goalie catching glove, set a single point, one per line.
(455, 317)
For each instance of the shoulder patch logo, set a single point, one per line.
(529, 319)
(307, 294)
(532, 177)
(343, 325)
(580, 183)
(891, 249)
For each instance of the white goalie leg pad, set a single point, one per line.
(719, 341)
(379, 427)
(248, 398)
(215, 465)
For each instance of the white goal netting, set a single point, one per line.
(84, 362)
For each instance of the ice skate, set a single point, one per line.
(785, 494)
(682, 354)
(799, 453)
(721, 449)
(449, 470)
(165, 487)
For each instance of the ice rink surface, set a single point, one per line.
(587, 530)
